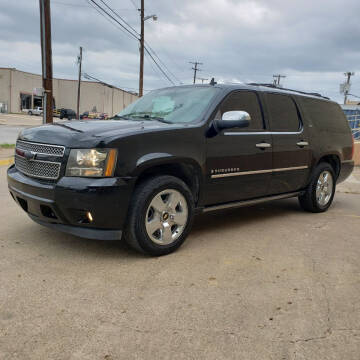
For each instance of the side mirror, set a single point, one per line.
(233, 119)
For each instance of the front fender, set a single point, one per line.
(148, 161)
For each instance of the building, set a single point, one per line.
(17, 93)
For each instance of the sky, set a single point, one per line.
(311, 42)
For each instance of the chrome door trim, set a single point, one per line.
(241, 173)
(250, 202)
(265, 133)
(347, 161)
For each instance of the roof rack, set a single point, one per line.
(297, 91)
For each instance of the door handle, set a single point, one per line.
(263, 145)
(302, 143)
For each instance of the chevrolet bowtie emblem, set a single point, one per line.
(28, 155)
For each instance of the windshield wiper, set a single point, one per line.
(117, 117)
(146, 116)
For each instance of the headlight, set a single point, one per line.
(91, 162)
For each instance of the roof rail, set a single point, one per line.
(297, 91)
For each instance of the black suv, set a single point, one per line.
(176, 152)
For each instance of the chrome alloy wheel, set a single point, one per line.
(166, 217)
(324, 188)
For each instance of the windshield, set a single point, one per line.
(171, 105)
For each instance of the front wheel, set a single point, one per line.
(321, 190)
(30, 113)
(160, 215)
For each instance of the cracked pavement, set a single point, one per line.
(265, 282)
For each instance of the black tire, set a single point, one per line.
(30, 113)
(135, 233)
(308, 200)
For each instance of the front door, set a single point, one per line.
(291, 148)
(239, 161)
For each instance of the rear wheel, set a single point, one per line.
(30, 113)
(160, 215)
(321, 190)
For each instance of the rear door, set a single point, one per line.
(291, 147)
(239, 160)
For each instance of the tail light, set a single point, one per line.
(353, 147)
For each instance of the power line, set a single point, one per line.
(122, 19)
(155, 70)
(107, 19)
(128, 31)
(124, 27)
(79, 5)
(156, 55)
(159, 67)
(135, 6)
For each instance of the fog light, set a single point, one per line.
(89, 216)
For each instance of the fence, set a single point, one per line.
(354, 122)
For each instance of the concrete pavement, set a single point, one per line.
(266, 282)
(12, 124)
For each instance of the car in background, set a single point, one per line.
(94, 115)
(37, 111)
(67, 114)
(103, 116)
(84, 115)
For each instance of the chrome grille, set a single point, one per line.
(41, 169)
(38, 168)
(44, 149)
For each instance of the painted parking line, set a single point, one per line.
(5, 162)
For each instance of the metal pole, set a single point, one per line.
(349, 74)
(195, 68)
(79, 85)
(142, 36)
(46, 58)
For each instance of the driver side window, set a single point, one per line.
(242, 101)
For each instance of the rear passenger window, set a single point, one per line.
(244, 101)
(283, 113)
(325, 115)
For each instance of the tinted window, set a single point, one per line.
(283, 113)
(324, 115)
(244, 101)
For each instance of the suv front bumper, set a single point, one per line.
(65, 205)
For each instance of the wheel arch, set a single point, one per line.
(333, 160)
(186, 169)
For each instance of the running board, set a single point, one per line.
(238, 204)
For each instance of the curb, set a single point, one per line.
(4, 162)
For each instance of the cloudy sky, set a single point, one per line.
(311, 42)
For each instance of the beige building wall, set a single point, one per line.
(5, 86)
(109, 100)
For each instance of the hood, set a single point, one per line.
(89, 132)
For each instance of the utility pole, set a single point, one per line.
(141, 75)
(46, 58)
(79, 84)
(277, 79)
(348, 74)
(203, 79)
(195, 68)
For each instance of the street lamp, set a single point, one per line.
(142, 41)
(154, 17)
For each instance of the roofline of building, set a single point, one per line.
(87, 81)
